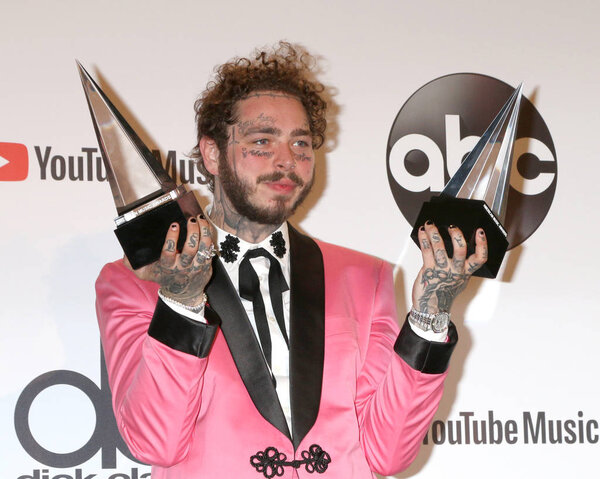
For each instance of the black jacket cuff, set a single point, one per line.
(426, 356)
(181, 333)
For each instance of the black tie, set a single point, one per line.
(250, 290)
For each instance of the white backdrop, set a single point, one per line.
(528, 344)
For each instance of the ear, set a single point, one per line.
(210, 154)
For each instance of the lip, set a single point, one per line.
(282, 186)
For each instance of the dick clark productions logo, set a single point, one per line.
(441, 123)
(105, 438)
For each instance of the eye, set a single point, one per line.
(301, 144)
(261, 142)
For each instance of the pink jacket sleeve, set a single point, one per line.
(399, 385)
(156, 388)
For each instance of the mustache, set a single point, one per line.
(278, 175)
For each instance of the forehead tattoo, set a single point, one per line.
(261, 121)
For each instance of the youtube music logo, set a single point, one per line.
(14, 162)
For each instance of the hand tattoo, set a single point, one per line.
(446, 285)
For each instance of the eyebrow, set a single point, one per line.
(301, 132)
(267, 130)
(270, 130)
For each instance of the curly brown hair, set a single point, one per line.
(285, 68)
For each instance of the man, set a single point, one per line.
(283, 356)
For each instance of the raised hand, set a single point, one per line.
(183, 275)
(441, 279)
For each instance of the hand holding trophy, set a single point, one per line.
(147, 199)
(475, 197)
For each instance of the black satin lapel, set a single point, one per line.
(307, 335)
(244, 347)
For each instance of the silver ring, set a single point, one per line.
(207, 254)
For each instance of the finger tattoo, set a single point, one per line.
(458, 264)
(440, 258)
(185, 259)
(473, 267)
(170, 246)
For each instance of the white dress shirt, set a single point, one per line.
(280, 357)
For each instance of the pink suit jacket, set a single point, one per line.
(196, 401)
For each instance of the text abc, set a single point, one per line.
(456, 149)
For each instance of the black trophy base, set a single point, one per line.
(468, 215)
(143, 237)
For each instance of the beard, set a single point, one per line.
(239, 193)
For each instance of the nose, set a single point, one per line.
(285, 158)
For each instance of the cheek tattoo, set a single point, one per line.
(261, 154)
(302, 157)
(257, 153)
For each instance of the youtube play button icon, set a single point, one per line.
(14, 162)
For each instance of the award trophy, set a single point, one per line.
(476, 195)
(146, 197)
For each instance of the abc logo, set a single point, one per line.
(441, 123)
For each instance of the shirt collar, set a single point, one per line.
(245, 246)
